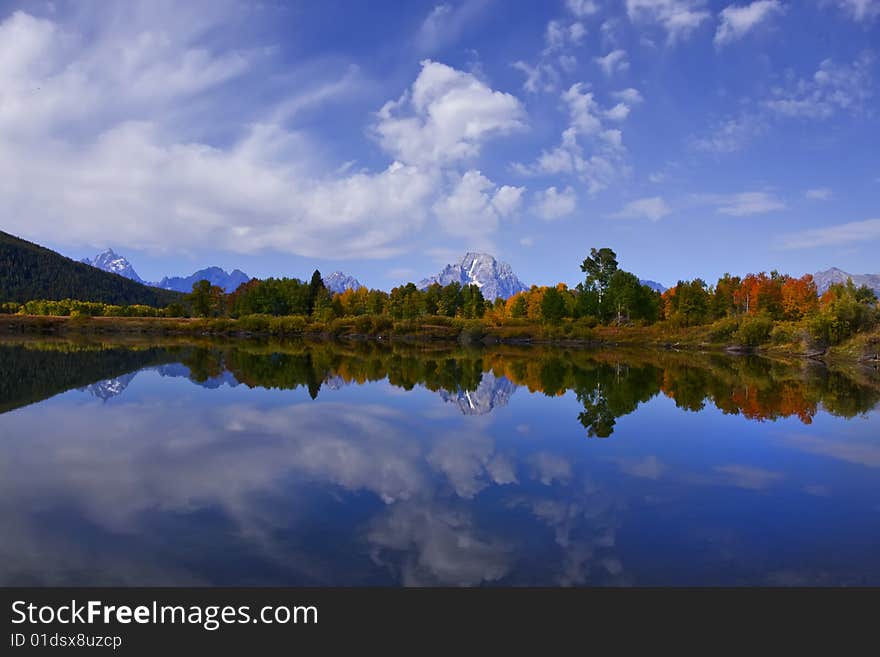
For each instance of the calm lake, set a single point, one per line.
(368, 464)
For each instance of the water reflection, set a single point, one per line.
(608, 384)
(363, 464)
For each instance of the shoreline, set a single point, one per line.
(861, 349)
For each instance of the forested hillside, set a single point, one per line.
(29, 271)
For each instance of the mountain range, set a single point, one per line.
(114, 263)
(494, 278)
(215, 275)
(824, 279)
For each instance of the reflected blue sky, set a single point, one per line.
(173, 483)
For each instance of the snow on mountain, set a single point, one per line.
(109, 388)
(115, 264)
(824, 279)
(495, 279)
(339, 282)
(492, 392)
(215, 275)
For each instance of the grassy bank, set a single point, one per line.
(732, 334)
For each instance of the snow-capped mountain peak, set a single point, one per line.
(338, 282)
(495, 279)
(111, 261)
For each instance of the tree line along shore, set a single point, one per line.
(768, 312)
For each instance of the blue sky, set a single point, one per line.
(387, 139)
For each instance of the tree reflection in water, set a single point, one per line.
(608, 384)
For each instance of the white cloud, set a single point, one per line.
(576, 33)
(819, 194)
(854, 232)
(680, 18)
(618, 113)
(555, 36)
(860, 10)
(612, 63)
(832, 89)
(552, 204)
(583, 109)
(446, 116)
(475, 205)
(541, 77)
(558, 35)
(653, 208)
(736, 21)
(527, 241)
(582, 8)
(630, 96)
(744, 203)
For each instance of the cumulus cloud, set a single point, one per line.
(613, 63)
(653, 208)
(854, 232)
(735, 21)
(618, 113)
(446, 116)
(630, 96)
(475, 205)
(679, 18)
(553, 204)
